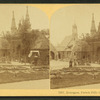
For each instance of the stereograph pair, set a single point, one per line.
(62, 52)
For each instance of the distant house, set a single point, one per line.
(65, 48)
(4, 50)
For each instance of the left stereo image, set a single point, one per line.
(24, 48)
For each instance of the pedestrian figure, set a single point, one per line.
(75, 63)
(70, 64)
(35, 60)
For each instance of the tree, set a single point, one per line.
(25, 35)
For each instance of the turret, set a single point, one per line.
(27, 19)
(13, 25)
(74, 32)
(93, 28)
(27, 15)
(19, 26)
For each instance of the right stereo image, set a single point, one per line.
(75, 47)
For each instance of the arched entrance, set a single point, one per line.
(52, 55)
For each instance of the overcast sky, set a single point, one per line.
(38, 18)
(63, 19)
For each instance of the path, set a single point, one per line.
(33, 84)
(57, 64)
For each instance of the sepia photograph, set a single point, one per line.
(24, 47)
(75, 53)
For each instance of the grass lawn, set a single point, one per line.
(9, 74)
(74, 77)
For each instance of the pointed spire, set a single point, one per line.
(93, 28)
(27, 9)
(27, 15)
(92, 16)
(19, 26)
(13, 25)
(13, 15)
(74, 32)
(22, 20)
(27, 19)
(75, 26)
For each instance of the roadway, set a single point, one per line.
(33, 84)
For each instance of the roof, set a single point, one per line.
(60, 48)
(69, 49)
(64, 43)
(52, 48)
(41, 42)
(66, 40)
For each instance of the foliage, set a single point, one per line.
(23, 39)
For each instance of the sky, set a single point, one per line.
(63, 19)
(60, 22)
(38, 19)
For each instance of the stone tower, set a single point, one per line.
(74, 32)
(13, 25)
(93, 28)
